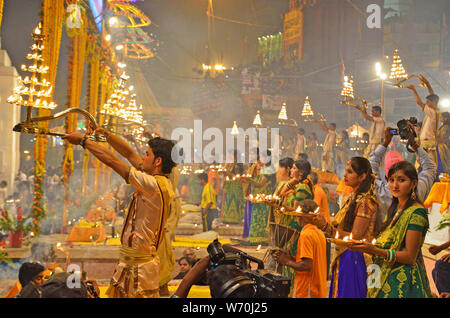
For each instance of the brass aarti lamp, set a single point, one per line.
(35, 91)
(308, 113)
(283, 118)
(398, 72)
(349, 95)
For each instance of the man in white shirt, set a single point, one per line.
(430, 123)
(376, 130)
(328, 147)
(301, 142)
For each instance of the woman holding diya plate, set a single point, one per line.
(233, 196)
(264, 183)
(398, 247)
(275, 215)
(359, 218)
(298, 188)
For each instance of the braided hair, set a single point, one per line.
(361, 166)
(305, 167)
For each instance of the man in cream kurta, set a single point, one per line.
(137, 273)
(376, 129)
(328, 147)
(301, 142)
(431, 121)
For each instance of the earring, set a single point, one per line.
(413, 195)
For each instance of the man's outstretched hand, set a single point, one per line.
(387, 137)
(74, 137)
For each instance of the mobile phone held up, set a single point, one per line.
(393, 132)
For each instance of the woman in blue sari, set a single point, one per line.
(358, 216)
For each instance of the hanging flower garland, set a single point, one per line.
(92, 95)
(1, 12)
(76, 67)
(52, 16)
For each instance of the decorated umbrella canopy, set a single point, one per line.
(128, 15)
(356, 131)
(138, 44)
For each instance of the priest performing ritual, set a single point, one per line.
(137, 274)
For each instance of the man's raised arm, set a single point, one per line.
(427, 83)
(101, 153)
(418, 99)
(121, 146)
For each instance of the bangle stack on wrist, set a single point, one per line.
(390, 257)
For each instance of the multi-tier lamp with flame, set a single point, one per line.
(115, 107)
(308, 113)
(398, 71)
(35, 91)
(283, 118)
(134, 119)
(257, 121)
(349, 94)
(235, 130)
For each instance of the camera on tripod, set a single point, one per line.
(232, 276)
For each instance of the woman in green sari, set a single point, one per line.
(275, 215)
(298, 188)
(398, 247)
(263, 184)
(233, 201)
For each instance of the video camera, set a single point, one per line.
(236, 265)
(406, 132)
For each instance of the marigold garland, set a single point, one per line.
(76, 67)
(52, 15)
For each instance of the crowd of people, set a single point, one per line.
(382, 212)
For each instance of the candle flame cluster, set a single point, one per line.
(283, 113)
(218, 168)
(186, 170)
(347, 91)
(261, 197)
(115, 106)
(307, 109)
(257, 121)
(34, 90)
(349, 238)
(397, 69)
(238, 176)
